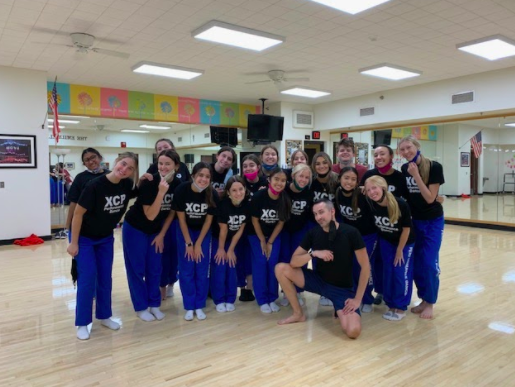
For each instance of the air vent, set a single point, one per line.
(467, 96)
(207, 135)
(179, 139)
(303, 120)
(369, 111)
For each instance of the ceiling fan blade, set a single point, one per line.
(251, 83)
(296, 79)
(49, 31)
(118, 54)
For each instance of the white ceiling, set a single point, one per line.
(330, 46)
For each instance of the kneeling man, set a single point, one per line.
(333, 246)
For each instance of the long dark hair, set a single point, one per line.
(332, 181)
(172, 155)
(90, 150)
(235, 179)
(284, 207)
(355, 193)
(230, 150)
(209, 190)
(254, 158)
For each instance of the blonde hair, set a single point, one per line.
(425, 164)
(302, 167)
(134, 157)
(394, 212)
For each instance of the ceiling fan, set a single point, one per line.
(278, 77)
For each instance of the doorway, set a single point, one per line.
(474, 171)
(312, 148)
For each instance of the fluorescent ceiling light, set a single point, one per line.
(237, 36)
(492, 47)
(134, 131)
(166, 71)
(155, 127)
(512, 124)
(305, 92)
(65, 121)
(62, 127)
(388, 71)
(351, 6)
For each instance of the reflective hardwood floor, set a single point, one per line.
(471, 342)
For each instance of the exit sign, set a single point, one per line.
(315, 135)
(344, 135)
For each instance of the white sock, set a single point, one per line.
(82, 333)
(284, 301)
(275, 308)
(157, 313)
(145, 315)
(221, 308)
(200, 314)
(169, 291)
(108, 323)
(265, 308)
(189, 315)
(230, 307)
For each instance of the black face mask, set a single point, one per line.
(322, 176)
(332, 231)
(382, 197)
(346, 191)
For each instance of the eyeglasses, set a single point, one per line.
(90, 158)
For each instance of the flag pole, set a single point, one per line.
(469, 140)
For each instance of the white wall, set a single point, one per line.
(25, 200)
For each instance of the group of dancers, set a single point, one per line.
(216, 231)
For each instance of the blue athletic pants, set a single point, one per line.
(143, 267)
(169, 260)
(266, 287)
(244, 263)
(223, 279)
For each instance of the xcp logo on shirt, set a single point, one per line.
(348, 212)
(235, 221)
(298, 206)
(412, 184)
(323, 195)
(196, 210)
(384, 224)
(269, 216)
(114, 203)
(166, 204)
(218, 186)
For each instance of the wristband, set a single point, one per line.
(189, 244)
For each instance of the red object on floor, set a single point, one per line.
(465, 196)
(29, 241)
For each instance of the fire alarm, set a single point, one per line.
(315, 135)
(123, 144)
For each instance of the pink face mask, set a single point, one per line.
(251, 176)
(386, 168)
(274, 192)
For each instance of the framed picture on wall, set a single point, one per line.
(291, 146)
(18, 151)
(465, 159)
(69, 166)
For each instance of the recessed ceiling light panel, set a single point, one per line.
(351, 6)
(492, 47)
(155, 127)
(134, 131)
(302, 91)
(389, 71)
(166, 71)
(219, 32)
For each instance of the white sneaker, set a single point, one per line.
(221, 308)
(82, 333)
(200, 314)
(275, 308)
(394, 316)
(325, 301)
(145, 315)
(169, 291)
(265, 308)
(367, 308)
(157, 313)
(230, 307)
(284, 301)
(108, 323)
(189, 315)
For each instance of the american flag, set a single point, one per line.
(477, 144)
(53, 106)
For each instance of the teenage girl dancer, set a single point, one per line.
(269, 159)
(392, 219)
(383, 162)
(227, 249)
(222, 169)
(269, 210)
(297, 157)
(144, 229)
(195, 205)
(297, 226)
(183, 174)
(424, 178)
(354, 210)
(254, 181)
(99, 209)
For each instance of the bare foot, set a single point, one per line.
(163, 292)
(292, 319)
(427, 313)
(419, 308)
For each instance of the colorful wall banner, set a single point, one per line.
(116, 103)
(424, 132)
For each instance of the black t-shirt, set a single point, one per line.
(265, 209)
(321, 191)
(147, 194)
(420, 209)
(218, 180)
(301, 203)
(105, 203)
(363, 220)
(80, 182)
(182, 174)
(233, 216)
(193, 204)
(337, 272)
(396, 182)
(255, 187)
(392, 232)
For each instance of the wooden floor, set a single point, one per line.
(470, 343)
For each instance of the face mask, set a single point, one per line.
(297, 187)
(169, 176)
(251, 176)
(269, 167)
(95, 171)
(274, 192)
(347, 191)
(416, 157)
(386, 168)
(323, 175)
(198, 188)
(382, 197)
(346, 163)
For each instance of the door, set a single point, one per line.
(473, 173)
(312, 148)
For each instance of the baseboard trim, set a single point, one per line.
(482, 224)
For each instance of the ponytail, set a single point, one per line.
(394, 212)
